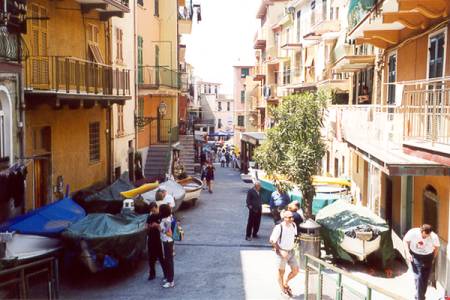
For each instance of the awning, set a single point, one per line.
(253, 137)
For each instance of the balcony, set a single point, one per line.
(349, 58)
(106, 8)
(69, 77)
(154, 77)
(184, 82)
(185, 16)
(9, 45)
(420, 120)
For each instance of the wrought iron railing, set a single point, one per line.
(153, 77)
(9, 45)
(74, 75)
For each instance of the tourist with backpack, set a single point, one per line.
(166, 235)
(283, 242)
(154, 240)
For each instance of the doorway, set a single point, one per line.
(42, 183)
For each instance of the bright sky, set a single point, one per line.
(222, 39)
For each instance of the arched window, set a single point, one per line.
(430, 207)
(6, 157)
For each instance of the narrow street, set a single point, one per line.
(214, 260)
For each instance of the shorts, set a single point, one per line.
(291, 260)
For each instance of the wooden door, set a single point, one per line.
(41, 181)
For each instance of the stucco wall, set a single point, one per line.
(70, 144)
(442, 186)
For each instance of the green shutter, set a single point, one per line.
(140, 42)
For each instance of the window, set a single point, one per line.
(392, 67)
(119, 45)
(277, 40)
(39, 45)
(219, 106)
(241, 121)
(245, 72)
(140, 2)
(215, 90)
(209, 89)
(120, 126)
(3, 148)
(299, 35)
(243, 96)
(94, 142)
(228, 106)
(140, 58)
(313, 13)
(431, 207)
(156, 14)
(141, 107)
(219, 123)
(287, 35)
(92, 37)
(324, 9)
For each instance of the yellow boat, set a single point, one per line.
(140, 190)
(324, 180)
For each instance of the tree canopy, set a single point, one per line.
(294, 147)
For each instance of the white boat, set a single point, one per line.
(173, 188)
(26, 246)
(193, 187)
(361, 246)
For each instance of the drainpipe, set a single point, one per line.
(135, 71)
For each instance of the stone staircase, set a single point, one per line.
(187, 153)
(156, 164)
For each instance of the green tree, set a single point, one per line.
(294, 147)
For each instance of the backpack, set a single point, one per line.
(177, 230)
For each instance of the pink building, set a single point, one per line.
(239, 75)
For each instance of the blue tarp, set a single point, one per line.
(49, 220)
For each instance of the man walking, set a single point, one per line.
(283, 242)
(278, 202)
(422, 247)
(254, 205)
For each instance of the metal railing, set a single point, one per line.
(423, 114)
(350, 50)
(9, 45)
(19, 277)
(154, 77)
(74, 75)
(326, 280)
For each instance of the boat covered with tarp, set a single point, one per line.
(49, 220)
(173, 188)
(326, 194)
(121, 237)
(107, 200)
(353, 233)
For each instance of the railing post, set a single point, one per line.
(77, 76)
(339, 287)
(319, 284)
(67, 64)
(57, 72)
(306, 277)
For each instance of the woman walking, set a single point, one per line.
(166, 237)
(210, 176)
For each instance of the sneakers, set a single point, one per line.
(248, 238)
(168, 285)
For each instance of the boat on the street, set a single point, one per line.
(353, 233)
(99, 236)
(193, 187)
(25, 247)
(173, 188)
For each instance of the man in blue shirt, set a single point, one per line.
(278, 202)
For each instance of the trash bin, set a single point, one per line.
(309, 240)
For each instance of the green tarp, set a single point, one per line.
(340, 218)
(120, 236)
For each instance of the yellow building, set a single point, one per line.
(159, 27)
(69, 89)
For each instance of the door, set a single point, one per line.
(336, 167)
(392, 77)
(42, 194)
(435, 70)
(140, 59)
(388, 197)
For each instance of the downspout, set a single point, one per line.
(109, 139)
(135, 82)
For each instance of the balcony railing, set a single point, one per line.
(422, 115)
(75, 76)
(153, 77)
(9, 45)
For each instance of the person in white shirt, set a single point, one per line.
(166, 198)
(165, 214)
(283, 242)
(422, 247)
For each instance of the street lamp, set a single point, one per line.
(143, 121)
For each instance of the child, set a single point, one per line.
(166, 237)
(154, 241)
